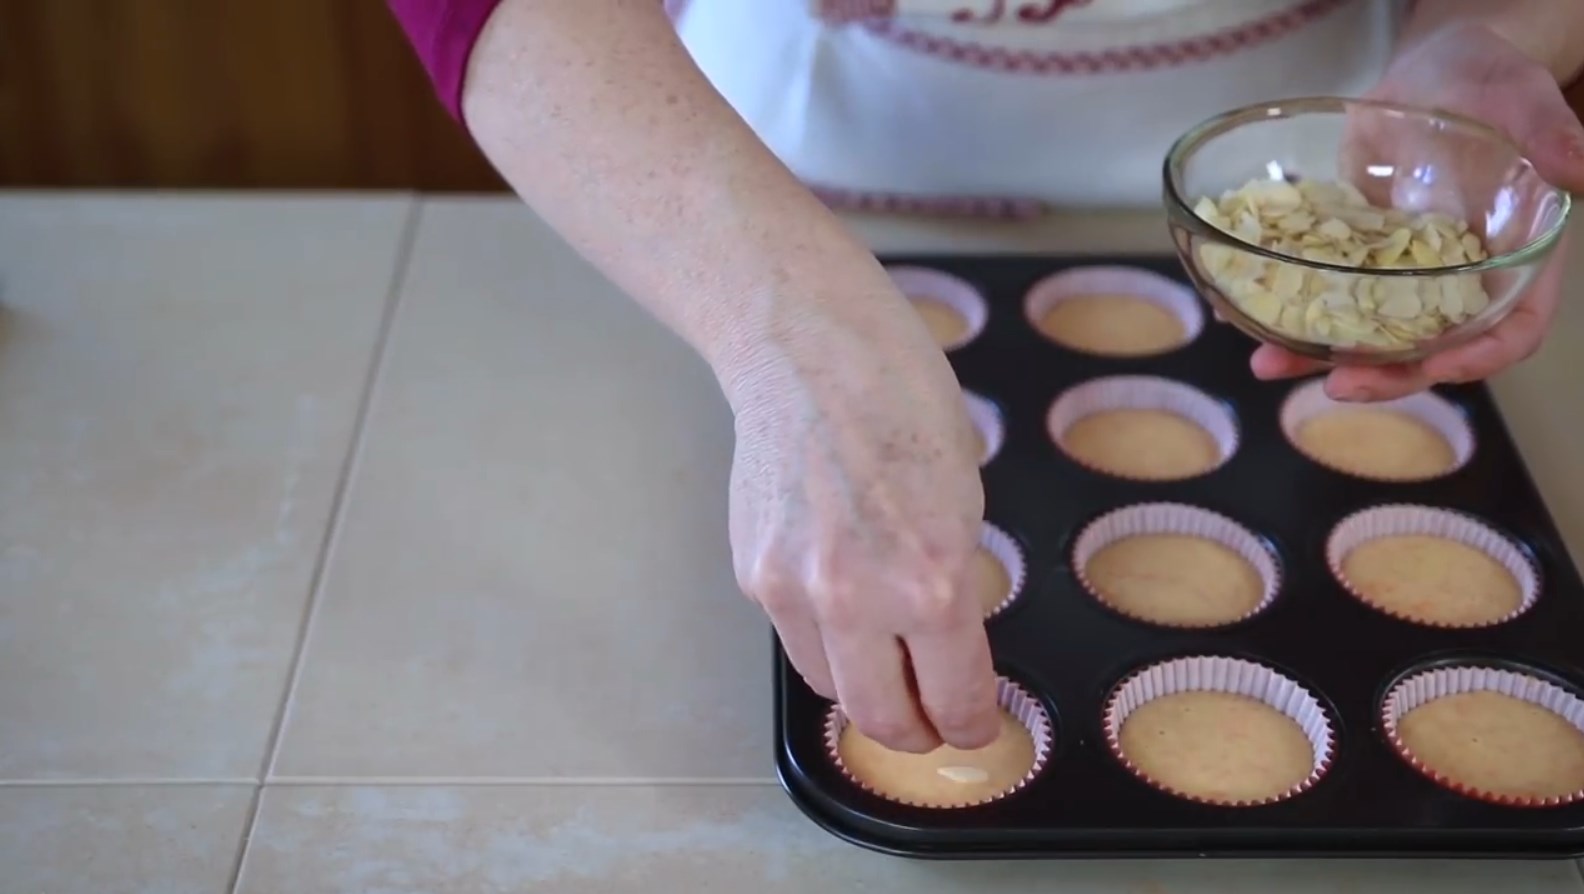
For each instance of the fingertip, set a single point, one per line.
(1560, 157)
(1270, 362)
(820, 687)
(909, 737)
(957, 684)
(976, 729)
(1455, 369)
(1265, 364)
(976, 737)
(1376, 383)
(1340, 387)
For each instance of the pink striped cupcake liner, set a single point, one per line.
(1424, 687)
(1309, 400)
(1005, 550)
(1399, 520)
(1181, 519)
(1230, 675)
(1087, 282)
(1144, 393)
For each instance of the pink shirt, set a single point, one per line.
(443, 32)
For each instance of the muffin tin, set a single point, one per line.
(1077, 657)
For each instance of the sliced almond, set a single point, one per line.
(1333, 223)
(964, 775)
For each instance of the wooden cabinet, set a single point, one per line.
(221, 93)
(224, 94)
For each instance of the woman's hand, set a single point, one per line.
(855, 507)
(1472, 70)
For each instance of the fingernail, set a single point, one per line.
(1573, 145)
(1350, 394)
(974, 737)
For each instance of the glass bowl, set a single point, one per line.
(1326, 302)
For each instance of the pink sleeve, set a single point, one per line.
(443, 32)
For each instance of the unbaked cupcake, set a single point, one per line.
(1414, 438)
(1434, 567)
(949, 777)
(1114, 311)
(1176, 566)
(1143, 428)
(1220, 731)
(1493, 734)
(996, 570)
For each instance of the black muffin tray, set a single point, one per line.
(1064, 647)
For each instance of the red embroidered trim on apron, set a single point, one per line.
(1142, 57)
(843, 11)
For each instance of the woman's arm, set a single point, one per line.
(855, 494)
(599, 119)
(1551, 32)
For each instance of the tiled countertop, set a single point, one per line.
(397, 508)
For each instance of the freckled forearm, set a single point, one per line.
(599, 119)
(1549, 31)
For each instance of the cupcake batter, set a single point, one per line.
(943, 321)
(1154, 445)
(989, 580)
(1175, 579)
(947, 776)
(1432, 579)
(1112, 325)
(1217, 746)
(1374, 443)
(1497, 744)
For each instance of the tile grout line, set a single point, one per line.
(128, 782)
(393, 294)
(518, 782)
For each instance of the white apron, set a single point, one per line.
(1004, 107)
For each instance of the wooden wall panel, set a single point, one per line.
(225, 94)
(221, 93)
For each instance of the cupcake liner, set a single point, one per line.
(1016, 700)
(1088, 282)
(986, 418)
(1404, 520)
(1230, 675)
(1000, 544)
(1427, 686)
(1310, 400)
(1176, 518)
(1143, 393)
(925, 284)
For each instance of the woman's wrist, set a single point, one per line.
(804, 321)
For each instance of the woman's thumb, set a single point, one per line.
(1551, 136)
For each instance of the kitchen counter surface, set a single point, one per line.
(358, 543)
